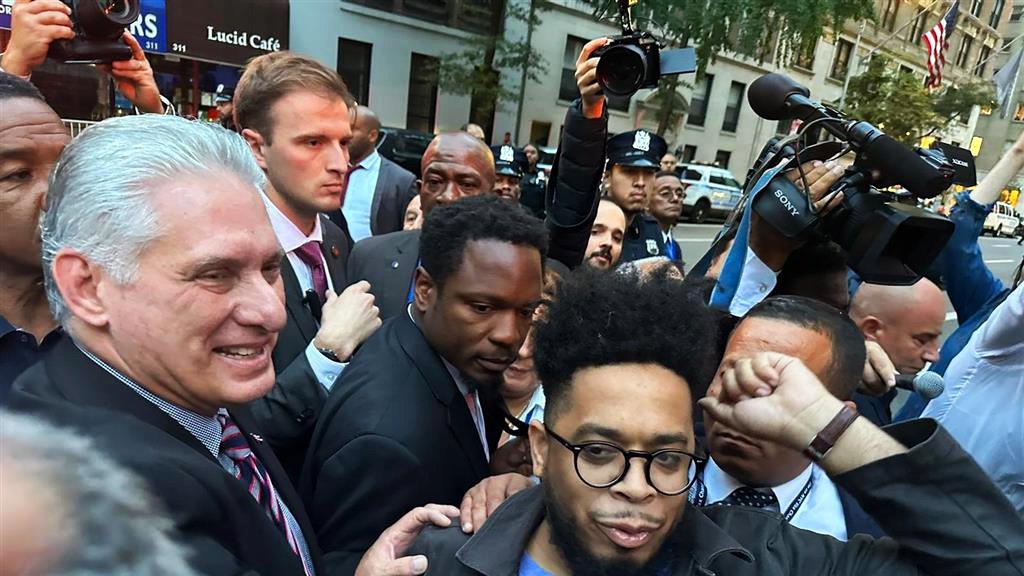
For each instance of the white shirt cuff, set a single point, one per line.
(325, 370)
(756, 283)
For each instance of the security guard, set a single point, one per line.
(509, 165)
(633, 159)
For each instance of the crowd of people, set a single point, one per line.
(263, 348)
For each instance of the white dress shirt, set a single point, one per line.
(983, 403)
(291, 238)
(821, 511)
(362, 184)
(756, 282)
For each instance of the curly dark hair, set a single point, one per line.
(602, 319)
(12, 86)
(449, 228)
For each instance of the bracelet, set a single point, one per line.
(823, 442)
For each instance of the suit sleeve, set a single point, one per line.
(361, 489)
(407, 190)
(287, 413)
(572, 194)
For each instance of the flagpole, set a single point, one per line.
(1004, 49)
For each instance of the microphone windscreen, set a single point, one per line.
(767, 96)
(902, 165)
(929, 385)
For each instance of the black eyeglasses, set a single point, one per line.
(603, 465)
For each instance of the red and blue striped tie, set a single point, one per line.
(251, 473)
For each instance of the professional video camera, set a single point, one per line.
(885, 242)
(98, 26)
(636, 60)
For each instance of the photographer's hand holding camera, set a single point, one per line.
(591, 95)
(36, 24)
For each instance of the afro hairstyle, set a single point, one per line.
(449, 228)
(600, 319)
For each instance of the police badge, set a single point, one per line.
(642, 141)
(508, 154)
(652, 247)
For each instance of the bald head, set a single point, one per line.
(454, 165)
(365, 133)
(906, 321)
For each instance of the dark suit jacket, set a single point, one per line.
(395, 434)
(387, 262)
(226, 529)
(395, 188)
(288, 413)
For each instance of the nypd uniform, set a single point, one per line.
(642, 149)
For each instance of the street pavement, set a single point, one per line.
(1001, 255)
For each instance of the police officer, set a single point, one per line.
(225, 107)
(633, 160)
(534, 185)
(509, 165)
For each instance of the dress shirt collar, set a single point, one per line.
(720, 484)
(207, 430)
(288, 234)
(371, 162)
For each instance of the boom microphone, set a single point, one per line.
(775, 97)
(928, 385)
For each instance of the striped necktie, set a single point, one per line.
(251, 473)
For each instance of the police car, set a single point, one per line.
(710, 191)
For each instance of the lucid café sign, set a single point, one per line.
(231, 31)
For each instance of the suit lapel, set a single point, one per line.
(441, 384)
(335, 248)
(378, 192)
(85, 383)
(293, 300)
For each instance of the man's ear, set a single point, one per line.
(538, 447)
(871, 327)
(81, 283)
(256, 143)
(424, 289)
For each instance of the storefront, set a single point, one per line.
(193, 45)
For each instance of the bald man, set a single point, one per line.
(906, 321)
(377, 190)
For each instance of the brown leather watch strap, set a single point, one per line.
(829, 435)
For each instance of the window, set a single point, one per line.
(976, 6)
(722, 158)
(539, 132)
(1017, 12)
(691, 174)
(841, 64)
(965, 49)
(997, 13)
(567, 89)
(733, 106)
(421, 110)
(892, 8)
(723, 180)
(475, 16)
(983, 56)
(699, 101)
(354, 67)
(689, 153)
(805, 57)
(917, 30)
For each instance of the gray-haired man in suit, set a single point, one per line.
(378, 190)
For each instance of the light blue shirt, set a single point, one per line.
(362, 184)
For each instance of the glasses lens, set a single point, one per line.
(672, 471)
(600, 464)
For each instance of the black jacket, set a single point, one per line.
(643, 239)
(946, 517)
(227, 531)
(395, 434)
(387, 262)
(396, 186)
(287, 414)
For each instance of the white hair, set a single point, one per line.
(98, 200)
(108, 524)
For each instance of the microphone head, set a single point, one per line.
(767, 95)
(929, 385)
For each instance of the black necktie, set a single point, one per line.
(752, 498)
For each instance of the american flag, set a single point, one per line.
(935, 42)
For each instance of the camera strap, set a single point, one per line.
(732, 272)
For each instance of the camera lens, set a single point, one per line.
(621, 70)
(114, 8)
(106, 19)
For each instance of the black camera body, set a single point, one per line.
(635, 60)
(98, 26)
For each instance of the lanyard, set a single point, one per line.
(701, 497)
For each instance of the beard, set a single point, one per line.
(565, 536)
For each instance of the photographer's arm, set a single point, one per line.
(34, 26)
(987, 191)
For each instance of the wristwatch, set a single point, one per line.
(328, 353)
(827, 438)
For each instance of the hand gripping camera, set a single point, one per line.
(636, 60)
(98, 26)
(885, 242)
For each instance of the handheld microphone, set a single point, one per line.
(928, 384)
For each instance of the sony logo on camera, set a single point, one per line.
(236, 38)
(784, 200)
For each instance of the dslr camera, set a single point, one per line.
(885, 242)
(636, 60)
(98, 26)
